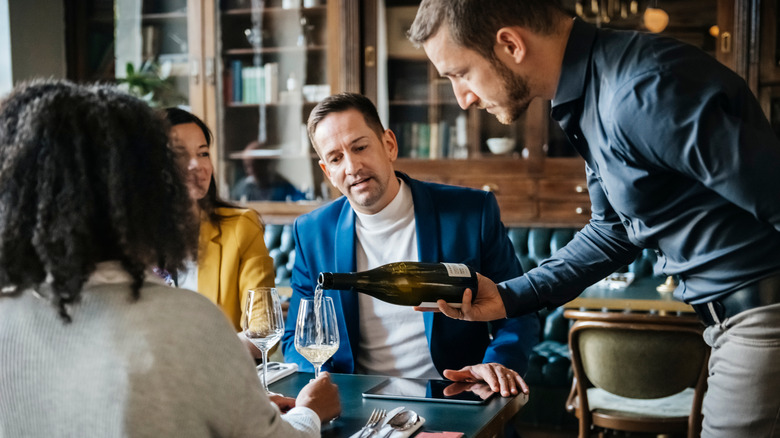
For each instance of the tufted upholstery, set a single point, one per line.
(549, 370)
(281, 247)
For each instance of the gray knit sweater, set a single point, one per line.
(166, 365)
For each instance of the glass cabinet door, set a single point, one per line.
(152, 50)
(420, 106)
(142, 44)
(274, 69)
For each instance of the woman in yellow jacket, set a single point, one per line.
(232, 256)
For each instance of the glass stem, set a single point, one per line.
(265, 369)
(317, 371)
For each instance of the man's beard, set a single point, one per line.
(517, 93)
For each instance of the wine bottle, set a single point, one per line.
(407, 283)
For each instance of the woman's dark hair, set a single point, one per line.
(473, 23)
(341, 102)
(86, 176)
(212, 200)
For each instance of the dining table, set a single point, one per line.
(641, 295)
(472, 420)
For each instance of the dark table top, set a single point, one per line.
(473, 420)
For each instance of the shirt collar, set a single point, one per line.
(576, 59)
(112, 272)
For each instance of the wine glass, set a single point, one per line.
(316, 332)
(262, 322)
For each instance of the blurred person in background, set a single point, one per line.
(262, 181)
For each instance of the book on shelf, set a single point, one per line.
(259, 84)
(271, 74)
(236, 70)
(425, 140)
(253, 85)
(227, 88)
(434, 145)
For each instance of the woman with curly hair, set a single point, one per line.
(92, 343)
(232, 256)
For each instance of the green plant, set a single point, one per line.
(152, 83)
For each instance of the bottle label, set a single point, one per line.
(457, 270)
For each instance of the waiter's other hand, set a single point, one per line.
(487, 307)
(500, 378)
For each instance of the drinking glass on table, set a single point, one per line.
(316, 331)
(262, 322)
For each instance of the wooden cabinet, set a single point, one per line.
(769, 29)
(273, 64)
(304, 49)
(148, 45)
(275, 60)
(251, 69)
(769, 62)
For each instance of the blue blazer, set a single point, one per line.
(454, 224)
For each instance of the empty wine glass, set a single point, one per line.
(262, 322)
(316, 331)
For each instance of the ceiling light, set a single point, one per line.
(656, 19)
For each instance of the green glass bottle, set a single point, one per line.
(407, 283)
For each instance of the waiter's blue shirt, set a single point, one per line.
(679, 158)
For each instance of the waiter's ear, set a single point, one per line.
(511, 45)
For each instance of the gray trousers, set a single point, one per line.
(743, 398)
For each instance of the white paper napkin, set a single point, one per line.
(277, 370)
(396, 433)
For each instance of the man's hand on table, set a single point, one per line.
(498, 377)
(481, 389)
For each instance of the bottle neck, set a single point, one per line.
(334, 280)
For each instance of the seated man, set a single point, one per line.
(384, 217)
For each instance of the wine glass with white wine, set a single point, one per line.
(262, 322)
(316, 331)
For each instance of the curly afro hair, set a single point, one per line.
(86, 176)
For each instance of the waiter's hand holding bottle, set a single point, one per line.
(487, 307)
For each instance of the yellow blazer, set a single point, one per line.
(233, 258)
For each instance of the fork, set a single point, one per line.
(373, 421)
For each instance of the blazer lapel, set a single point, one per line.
(426, 219)
(344, 261)
(209, 260)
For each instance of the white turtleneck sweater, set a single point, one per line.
(392, 338)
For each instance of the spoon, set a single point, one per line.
(401, 421)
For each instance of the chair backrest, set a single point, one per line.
(638, 355)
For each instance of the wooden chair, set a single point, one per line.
(630, 368)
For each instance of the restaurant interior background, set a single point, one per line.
(201, 52)
(254, 70)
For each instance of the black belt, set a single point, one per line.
(761, 293)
